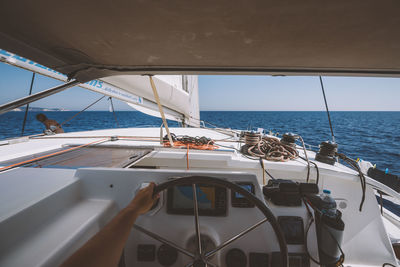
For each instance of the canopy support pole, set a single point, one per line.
(157, 98)
(28, 99)
(27, 106)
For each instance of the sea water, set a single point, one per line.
(371, 136)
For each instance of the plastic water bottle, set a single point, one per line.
(328, 204)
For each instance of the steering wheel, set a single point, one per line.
(201, 257)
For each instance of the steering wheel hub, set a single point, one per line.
(199, 263)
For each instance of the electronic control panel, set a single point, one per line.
(212, 200)
(234, 257)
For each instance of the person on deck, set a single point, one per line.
(51, 125)
(105, 248)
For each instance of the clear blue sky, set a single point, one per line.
(231, 92)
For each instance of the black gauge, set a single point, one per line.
(295, 260)
(167, 255)
(236, 258)
(258, 259)
(146, 252)
(293, 229)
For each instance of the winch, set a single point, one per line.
(327, 152)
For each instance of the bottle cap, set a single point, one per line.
(326, 191)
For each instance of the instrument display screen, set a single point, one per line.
(248, 187)
(238, 200)
(211, 200)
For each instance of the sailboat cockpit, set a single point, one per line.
(227, 197)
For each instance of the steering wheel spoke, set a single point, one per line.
(163, 240)
(234, 238)
(196, 219)
(208, 264)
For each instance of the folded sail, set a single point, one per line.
(178, 93)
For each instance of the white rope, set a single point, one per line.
(157, 98)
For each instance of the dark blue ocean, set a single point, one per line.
(372, 136)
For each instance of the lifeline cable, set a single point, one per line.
(217, 128)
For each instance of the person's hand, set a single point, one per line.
(144, 200)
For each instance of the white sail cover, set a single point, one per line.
(178, 93)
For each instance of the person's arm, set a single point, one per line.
(105, 248)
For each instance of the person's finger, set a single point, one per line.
(157, 196)
(145, 190)
(151, 188)
(152, 185)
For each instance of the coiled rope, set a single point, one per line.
(271, 149)
(197, 142)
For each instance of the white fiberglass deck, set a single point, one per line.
(45, 213)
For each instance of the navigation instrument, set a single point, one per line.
(211, 200)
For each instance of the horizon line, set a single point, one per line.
(105, 110)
